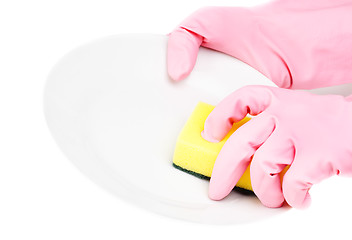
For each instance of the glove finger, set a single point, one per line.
(182, 52)
(233, 108)
(236, 154)
(301, 176)
(295, 189)
(268, 162)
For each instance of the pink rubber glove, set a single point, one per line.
(298, 44)
(312, 133)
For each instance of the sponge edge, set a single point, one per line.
(195, 155)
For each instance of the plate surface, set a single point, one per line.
(116, 115)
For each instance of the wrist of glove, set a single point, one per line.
(310, 133)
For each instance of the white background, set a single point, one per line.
(43, 196)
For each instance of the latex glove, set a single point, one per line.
(298, 44)
(312, 133)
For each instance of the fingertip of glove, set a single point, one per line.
(175, 73)
(218, 191)
(302, 204)
(273, 204)
(214, 195)
(209, 138)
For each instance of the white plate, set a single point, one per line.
(116, 115)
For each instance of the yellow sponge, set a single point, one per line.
(197, 156)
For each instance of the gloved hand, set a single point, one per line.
(311, 133)
(297, 44)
